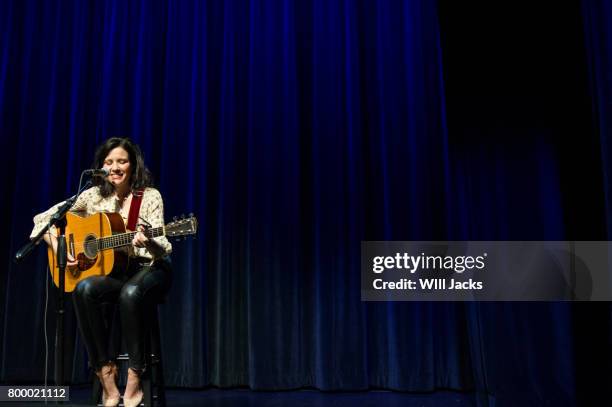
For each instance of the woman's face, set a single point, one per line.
(117, 162)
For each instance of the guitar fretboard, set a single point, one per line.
(125, 239)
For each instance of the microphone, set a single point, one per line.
(97, 172)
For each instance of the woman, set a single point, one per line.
(146, 280)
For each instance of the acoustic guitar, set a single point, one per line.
(99, 243)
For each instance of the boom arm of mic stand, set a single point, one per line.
(59, 215)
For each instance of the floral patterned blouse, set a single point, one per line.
(90, 202)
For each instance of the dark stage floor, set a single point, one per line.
(302, 398)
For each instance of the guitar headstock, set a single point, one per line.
(182, 227)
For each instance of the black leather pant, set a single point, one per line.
(134, 291)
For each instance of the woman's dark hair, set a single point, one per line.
(141, 176)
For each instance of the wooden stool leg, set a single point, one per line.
(145, 379)
(147, 387)
(161, 386)
(158, 378)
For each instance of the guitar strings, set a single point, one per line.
(117, 240)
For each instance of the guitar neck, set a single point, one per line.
(125, 239)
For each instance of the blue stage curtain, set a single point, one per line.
(597, 16)
(294, 130)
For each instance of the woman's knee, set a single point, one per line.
(86, 288)
(130, 294)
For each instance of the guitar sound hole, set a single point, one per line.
(90, 247)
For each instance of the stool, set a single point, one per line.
(152, 377)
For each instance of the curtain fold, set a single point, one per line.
(597, 15)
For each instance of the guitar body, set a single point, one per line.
(91, 262)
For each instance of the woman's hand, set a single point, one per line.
(140, 240)
(51, 240)
(71, 261)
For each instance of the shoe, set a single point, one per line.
(136, 400)
(109, 401)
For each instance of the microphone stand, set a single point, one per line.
(59, 221)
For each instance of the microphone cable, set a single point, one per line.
(45, 326)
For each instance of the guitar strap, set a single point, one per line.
(134, 209)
